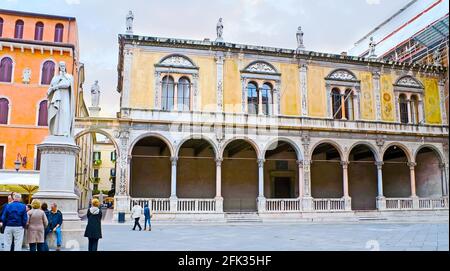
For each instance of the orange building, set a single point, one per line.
(31, 45)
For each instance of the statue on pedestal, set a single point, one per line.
(372, 45)
(61, 105)
(129, 22)
(219, 30)
(299, 35)
(95, 94)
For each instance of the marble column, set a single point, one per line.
(343, 102)
(261, 198)
(381, 200)
(408, 104)
(173, 185)
(301, 179)
(346, 197)
(444, 180)
(219, 198)
(420, 109)
(357, 104)
(412, 174)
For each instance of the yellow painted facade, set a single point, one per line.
(143, 86)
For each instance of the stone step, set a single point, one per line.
(247, 217)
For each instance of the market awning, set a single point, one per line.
(20, 182)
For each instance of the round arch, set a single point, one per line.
(369, 146)
(247, 139)
(195, 136)
(432, 147)
(159, 136)
(332, 143)
(401, 146)
(102, 132)
(287, 140)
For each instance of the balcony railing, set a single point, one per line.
(276, 122)
(283, 205)
(433, 203)
(196, 205)
(155, 205)
(328, 205)
(399, 204)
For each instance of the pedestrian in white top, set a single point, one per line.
(136, 213)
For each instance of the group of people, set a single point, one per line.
(136, 213)
(34, 221)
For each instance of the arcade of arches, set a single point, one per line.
(240, 178)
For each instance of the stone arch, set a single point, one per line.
(432, 147)
(341, 74)
(247, 139)
(287, 140)
(202, 137)
(332, 143)
(102, 132)
(177, 60)
(260, 66)
(152, 134)
(369, 145)
(404, 148)
(408, 81)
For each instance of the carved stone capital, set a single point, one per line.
(261, 162)
(219, 162)
(174, 160)
(299, 163)
(411, 165)
(345, 164)
(379, 164)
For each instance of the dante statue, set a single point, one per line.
(130, 18)
(219, 29)
(61, 107)
(95, 94)
(436, 58)
(300, 38)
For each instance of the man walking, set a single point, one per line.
(136, 213)
(147, 217)
(54, 224)
(15, 219)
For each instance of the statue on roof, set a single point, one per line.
(129, 22)
(219, 30)
(299, 35)
(372, 46)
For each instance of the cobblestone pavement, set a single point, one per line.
(264, 236)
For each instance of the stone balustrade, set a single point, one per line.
(328, 205)
(399, 203)
(196, 205)
(283, 205)
(277, 122)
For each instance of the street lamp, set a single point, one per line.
(20, 161)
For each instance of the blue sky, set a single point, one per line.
(329, 26)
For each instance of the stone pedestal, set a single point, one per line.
(381, 203)
(307, 204)
(95, 111)
(415, 201)
(219, 204)
(261, 204)
(122, 205)
(57, 185)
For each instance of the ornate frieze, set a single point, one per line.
(342, 75)
(261, 67)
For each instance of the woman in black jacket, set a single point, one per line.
(94, 227)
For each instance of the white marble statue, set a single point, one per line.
(219, 30)
(61, 108)
(95, 94)
(372, 45)
(26, 76)
(299, 35)
(130, 18)
(436, 58)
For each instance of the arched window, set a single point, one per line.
(43, 115)
(18, 31)
(167, 100)
(39, 31)
(184, 94)
(252, 98)
(266, 97)
(6, 67)
(1, 27)
(403, 103)
(4, 110)
(47, 73)
(414, 109)
(59, 32)
(349, 108)
(336, 103)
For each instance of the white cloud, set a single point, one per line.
(373, 2)
(72, 2)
